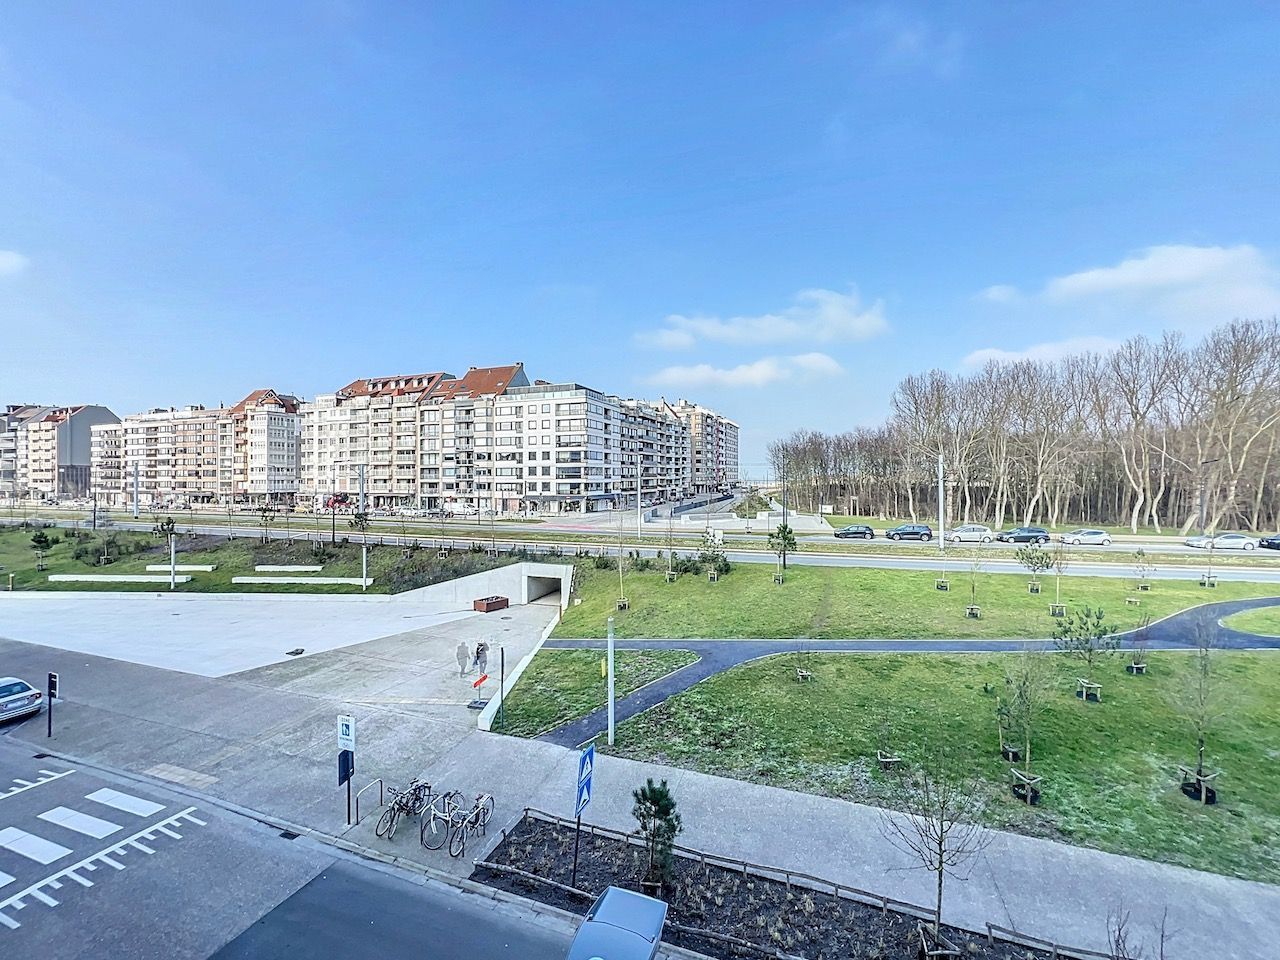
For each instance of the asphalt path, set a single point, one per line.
(957, 562)
(1177, 632)
(356, 913)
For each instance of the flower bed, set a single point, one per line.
(769, 914)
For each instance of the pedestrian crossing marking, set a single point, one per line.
(80, 822)
(125, 802)
(5, 879)
(30, 846)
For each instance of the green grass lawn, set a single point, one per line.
(1265, 621)
(1109, 768)
(391, 571)
(850, 602)
(562, 685)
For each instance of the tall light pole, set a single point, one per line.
(942, 508)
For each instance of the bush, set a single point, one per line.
(642, 563)
(686, 565)
(603, 563)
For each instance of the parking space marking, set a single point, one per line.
(126, 802)
(80, 822)
(18, 901)
(5, 879)
(32, 847)
(47, 776)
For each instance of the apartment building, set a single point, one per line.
(714, 447)
(200, 455)
(14, 419)
(55, 445)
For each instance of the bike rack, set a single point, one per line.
(378, 781)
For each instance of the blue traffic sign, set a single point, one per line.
(586, 767)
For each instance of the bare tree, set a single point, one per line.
(1061, 563)
(1028, 682)
(939, 824)
(1200, 695)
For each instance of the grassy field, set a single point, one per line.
(848, 602)
(1109, 768)
(562, 685)
(392, 572)
(1265, 622)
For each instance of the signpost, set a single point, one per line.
(346, 755)
(586, 767)
(53, 695)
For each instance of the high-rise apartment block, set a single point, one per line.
(491, 440)
(714, 441)
(45, 451)
(199, 455)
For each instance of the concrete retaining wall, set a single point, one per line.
(519, 582)
(490, 711)
(287, 568)
(112, 578)
(183, 567)
(354, 580)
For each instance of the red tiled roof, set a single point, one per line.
(478, 382)
(264, 398)
(393, 386)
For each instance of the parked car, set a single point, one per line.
(18, 698)
(1223, 541)
(620, 925)
(857, 531)
(1082, 535)
(1270, 543)
(1024, 535)
(910, 531)
(971, 533)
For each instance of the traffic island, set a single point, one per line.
(728, 908)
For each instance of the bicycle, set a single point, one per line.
(438, 818)
(409, 802)
(471, 823)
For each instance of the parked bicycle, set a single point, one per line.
(472, 823)
(409, 802)
(438, 818)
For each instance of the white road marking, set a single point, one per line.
(143, 847)
(5, 879)
(49, 775)
(126, 802)
(31, 846)
(18, 900)
(80, 822)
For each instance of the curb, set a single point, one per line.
(464, 884)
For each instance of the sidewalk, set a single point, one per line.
(1038, 887)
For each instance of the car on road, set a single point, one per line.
(910, 531)
(1092, 537)
(971, 533)
(18, 698)
(1024, 535)
(856, 531)
(1223, 541)
(1270, 543)
(621, 925)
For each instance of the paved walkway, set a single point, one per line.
(1175, 632)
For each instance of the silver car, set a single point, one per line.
(1093, 537)
(1224, 541)
(621, 925)
(971, 533)
(18, 698)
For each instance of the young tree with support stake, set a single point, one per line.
(1027, 686)
(1086, 636)
(1036, 560)
(939, 825)
(782, 541)
(1061, 563)
(659, 825)
(268, 514)
(1199, 704)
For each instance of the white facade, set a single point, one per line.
(714, 447)
(14, 419)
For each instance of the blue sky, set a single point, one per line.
(775, 209)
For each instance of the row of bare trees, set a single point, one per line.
(1135, 437)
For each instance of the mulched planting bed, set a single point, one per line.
(799, 921)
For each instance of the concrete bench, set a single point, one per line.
(356, 581)
(288, 568)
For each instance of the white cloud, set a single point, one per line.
(817, 315)
(900, 41)
(1174, 284)
(1001, 293)
(1052, 350)
(759, 373)
(12, 263)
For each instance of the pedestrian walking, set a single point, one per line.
(482, 656)
(463, 657)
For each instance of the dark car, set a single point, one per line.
(910, 531)
(1024, 535)
(620, 926)
(1270, 543)
(859, 531)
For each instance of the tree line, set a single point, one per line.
(1150, 434)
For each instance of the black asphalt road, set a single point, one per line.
(1178, 631)
(354, 912)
